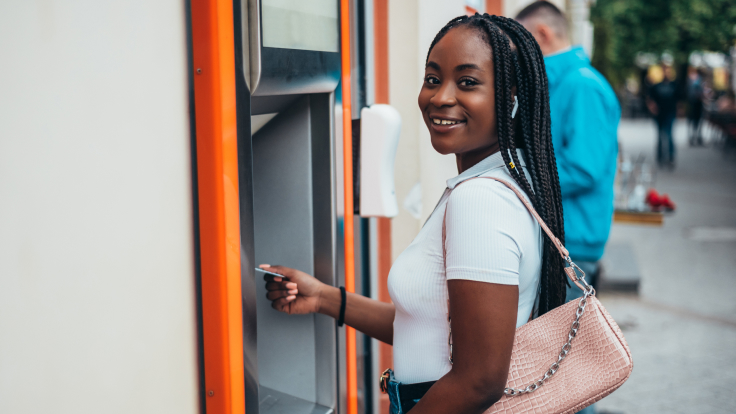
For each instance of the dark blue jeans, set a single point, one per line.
(404, 397)
(664, 127)
(393, 394)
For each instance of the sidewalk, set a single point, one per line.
(682, 326)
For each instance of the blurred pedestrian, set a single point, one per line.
(585, 114)
(694, 105)
(662, 103)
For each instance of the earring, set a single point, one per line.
(516, 107)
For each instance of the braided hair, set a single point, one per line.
(517, 61)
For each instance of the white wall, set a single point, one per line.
(412, 27)
(96, 267)
(435, 168)
(404, 83)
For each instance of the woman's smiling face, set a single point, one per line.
(457, 99)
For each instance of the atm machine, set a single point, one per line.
(290, 172)
(288, 69)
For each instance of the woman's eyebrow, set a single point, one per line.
(466, 66)
(432, 65)
(458, 68)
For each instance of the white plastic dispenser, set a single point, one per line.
(380, 128)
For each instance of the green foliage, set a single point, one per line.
(624, 28)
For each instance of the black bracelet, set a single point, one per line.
(343, 299)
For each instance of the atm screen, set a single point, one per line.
(301, 24)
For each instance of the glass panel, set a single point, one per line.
(301, 24)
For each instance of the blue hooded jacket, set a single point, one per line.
(585, 114)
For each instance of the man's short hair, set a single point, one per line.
(548, 14)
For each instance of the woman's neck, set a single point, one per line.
(470, 158)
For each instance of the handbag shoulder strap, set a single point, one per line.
(571, 273)
(570, 270)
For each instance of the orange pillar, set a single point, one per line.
(348, 220)
(213, 54)
(380, 42)
(380, 31)
(494, 7)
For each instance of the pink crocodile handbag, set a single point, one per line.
(550, 375)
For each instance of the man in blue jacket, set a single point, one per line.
(585, 114)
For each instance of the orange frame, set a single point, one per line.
(380, 30)
(348, 220)
(494, 7)
(213, 54)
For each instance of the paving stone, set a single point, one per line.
(682, 326)
(620, 269)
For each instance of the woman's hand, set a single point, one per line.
(298, 294)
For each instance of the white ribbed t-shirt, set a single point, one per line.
(490, 237)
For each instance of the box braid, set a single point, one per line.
(518, 61)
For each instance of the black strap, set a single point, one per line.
(343, 299)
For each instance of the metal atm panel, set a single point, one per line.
(273, 67)
(294, 225)
(282, 202)
(291, 361)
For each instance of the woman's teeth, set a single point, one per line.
(444, 122)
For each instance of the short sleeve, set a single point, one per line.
(484, 224)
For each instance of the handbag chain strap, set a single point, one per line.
(563, 353)
(573, 271)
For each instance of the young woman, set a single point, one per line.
(490, 269)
